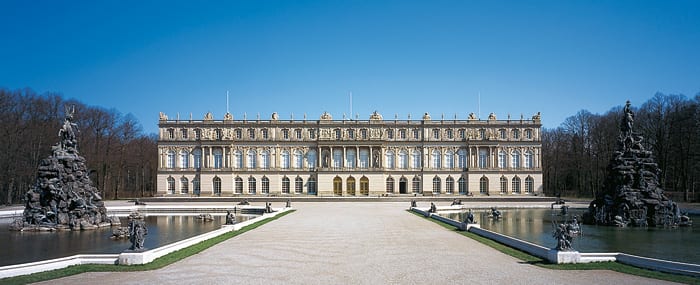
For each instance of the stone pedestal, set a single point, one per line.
(132, 258)
(559, 257)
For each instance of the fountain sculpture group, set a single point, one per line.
(63, 197)
(632, 194)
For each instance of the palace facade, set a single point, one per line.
(329, 157)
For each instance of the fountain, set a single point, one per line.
(63, 197)
(632, 195)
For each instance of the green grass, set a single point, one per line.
(527, 258)
(156, 264)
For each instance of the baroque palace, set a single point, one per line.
(329, 157)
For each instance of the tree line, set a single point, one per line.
(576, 154)
(122, 159)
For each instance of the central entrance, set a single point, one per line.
(403, 185)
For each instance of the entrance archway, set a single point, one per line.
(351, 186)
(338, 186)
(364, 186)
(403, 185)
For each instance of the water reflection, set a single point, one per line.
(22, 247)
(535, 225)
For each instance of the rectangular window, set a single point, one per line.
(197, 134)
(402, 134)
(338, 134)
(171, 133)
(184, 133)
(462, 134)
(285, 134)
(218, 134)
(482, 134)
(502, 134)
(351, 134)
(416, 134)
(251, 134)
(363, 134)
(265, 134)
(390, 134)
(528, 134)
(436, 133)
(297, 133)
(239, 134)
(450, 135)
(516, 134)
(312, 134)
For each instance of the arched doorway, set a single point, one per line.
(403, 185)
(338, 186)
(351, 186)
(364, 186)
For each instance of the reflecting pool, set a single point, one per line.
(22, 247)
(535, 225)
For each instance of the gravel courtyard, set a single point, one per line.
(352, 243)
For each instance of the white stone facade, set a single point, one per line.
(329, 157)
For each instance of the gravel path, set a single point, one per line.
(352, 243)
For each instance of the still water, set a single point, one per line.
(23, 247)
(535, 225)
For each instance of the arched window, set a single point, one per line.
(416, 185)
(265, 159)
(216, 185)
(483, 158)
(529, 160)
(390, 185)
(462, 154)
(237, 159)
(515, 157)
(298, 185)
(171, 159)
(529, 185)
(516, 184)
(364, 186)
(462, 184)
(238, 185)
(350, 154)
(197, 153)
(350, 186)
(504, 185)
(337, 186)
(403, 159)
(285, 185)
(364, 158)
(298, 159)
(171, 185)
(196, 186)
(337, 158)
(218, 158)
(436, 185)
(415, 160)
(311, 159)
(284, 160)
(436, 159)
(484, 185)
(449, 185)
(251, 185)
(449, 159)
(311, 186)
(184, 159)
(184, 185)
(265, 185)
(502, 158)
(251, 159)
(389, 160)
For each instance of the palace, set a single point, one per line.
(328, 157)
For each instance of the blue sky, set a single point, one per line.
(397, 57)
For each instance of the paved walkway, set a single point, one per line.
(352, 243)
